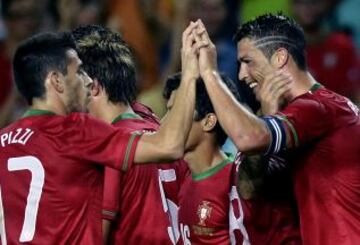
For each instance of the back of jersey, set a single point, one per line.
(40, 188)
(51, 191)
(138, 202)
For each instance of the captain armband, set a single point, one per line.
(277, 135)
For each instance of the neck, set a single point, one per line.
(303, 81)
(205, 156)
(46, 105)
(111, 110)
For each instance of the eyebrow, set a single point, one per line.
(81, 66)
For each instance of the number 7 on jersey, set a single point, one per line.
(36, 169)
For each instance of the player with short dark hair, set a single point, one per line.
(51, 182)
(109, 60)
(254, 215)
(138, 195)
(309, 123)
(43, 58)
(204, 195)
(271, 33)
(203, 105)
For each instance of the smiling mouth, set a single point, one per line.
(252, 85)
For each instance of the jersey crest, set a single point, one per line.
(204, 212)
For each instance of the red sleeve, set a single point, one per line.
(96, 141)
(305, 120)
(111, 199)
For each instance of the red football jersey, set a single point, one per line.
(204, 206)
(51, 184)
(326, 127)
(261, 220)
(143, 201)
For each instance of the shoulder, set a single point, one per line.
(137, 125)
(306, 104)
(85, 121)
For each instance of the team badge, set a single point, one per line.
(204, 212)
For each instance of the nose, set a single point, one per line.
(88, 81)
(243, 72)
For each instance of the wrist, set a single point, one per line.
(209, 74)
(189, 77)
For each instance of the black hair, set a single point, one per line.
(107, 58)
(35, 57)
(203, 105)
(280, 31)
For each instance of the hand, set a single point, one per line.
(272, 91)
(189, 59)
(206, 50)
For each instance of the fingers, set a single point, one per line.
(279, 82)
(201, 36)
(275, 80)
(199, 43)
(282, 90)
(187, 36)
(275, 86)
(201, 29)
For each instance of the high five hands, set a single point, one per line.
(198, 53)
(199, 58)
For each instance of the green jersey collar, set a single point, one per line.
(37, 112)
(315, 87)
(125, 116)
(213, 170)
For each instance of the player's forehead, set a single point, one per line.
(73, 58)
(247, 48)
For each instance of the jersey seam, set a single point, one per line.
(128, 150)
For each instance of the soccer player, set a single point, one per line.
(50, 178)
(315, 127)
(204, 196)
(211, 210)
(134, 207)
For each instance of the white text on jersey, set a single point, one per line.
(17, 136)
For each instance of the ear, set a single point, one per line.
(209, 122)
(56, 80)
(96, 88)
(280, 58)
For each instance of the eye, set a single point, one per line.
(81, 71)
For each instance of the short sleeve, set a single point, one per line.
(112, 189)
(305, 120)
(89, 139)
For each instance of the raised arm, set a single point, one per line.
(169, 141)
(248, 132)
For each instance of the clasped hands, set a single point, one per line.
(198, 53)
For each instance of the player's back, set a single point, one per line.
(50, 187)
(327, 171)
(141, 197)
